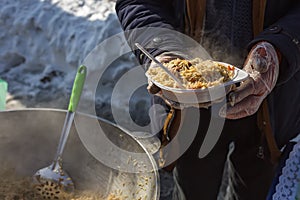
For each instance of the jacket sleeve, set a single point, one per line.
(285, 36)
(151, 23)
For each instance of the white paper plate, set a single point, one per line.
(202, 95)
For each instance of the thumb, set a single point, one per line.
(152, 88)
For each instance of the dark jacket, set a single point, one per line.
(281, 28)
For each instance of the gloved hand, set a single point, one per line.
(262, 64)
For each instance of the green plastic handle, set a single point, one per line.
(77, 88)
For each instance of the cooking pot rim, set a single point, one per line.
(150, 156)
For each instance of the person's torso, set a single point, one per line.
(227, 28)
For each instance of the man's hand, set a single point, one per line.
(263, 67)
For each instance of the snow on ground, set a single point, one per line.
(43, 42)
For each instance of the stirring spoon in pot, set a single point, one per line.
(53, 182)
(160, 65)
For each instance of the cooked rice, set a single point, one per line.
(14, 187)
(195, 74)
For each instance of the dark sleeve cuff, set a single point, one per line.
(288, 46)
(165, 40)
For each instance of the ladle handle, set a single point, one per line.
(77, 88)
(74, 100)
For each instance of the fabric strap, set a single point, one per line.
(195, 15)
(264, 124)
(170, 128)
(263, 115)
(258, 15)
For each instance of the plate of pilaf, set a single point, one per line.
(204, 81)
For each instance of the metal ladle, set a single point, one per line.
(160, 65)
(53, 182)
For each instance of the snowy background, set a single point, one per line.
(42, 42)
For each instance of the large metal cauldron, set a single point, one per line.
(28, 141)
